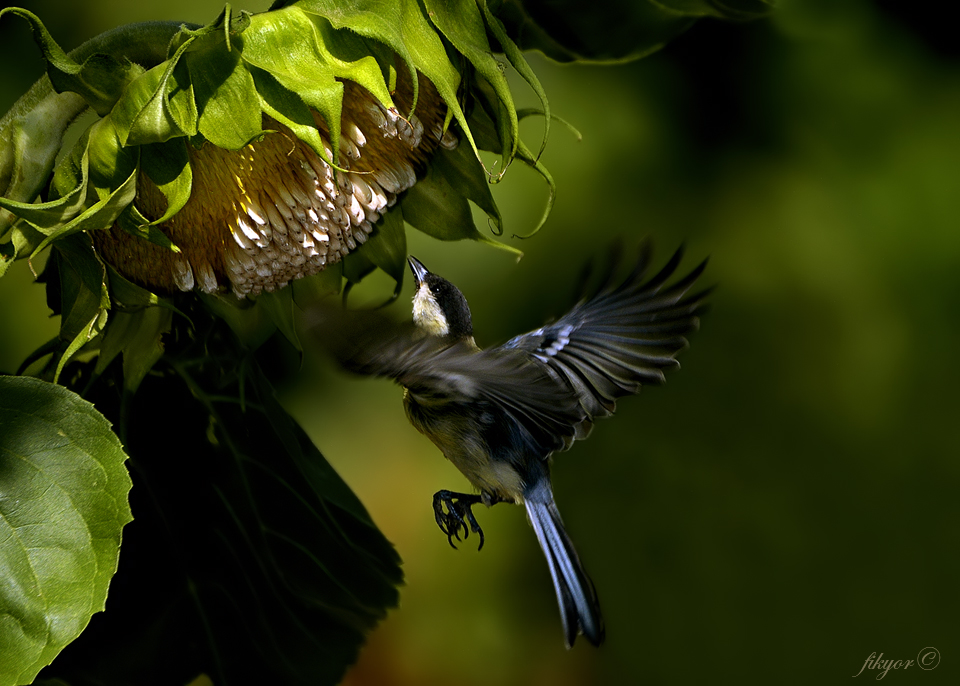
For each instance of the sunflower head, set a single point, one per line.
(274, 210)
(238, 157)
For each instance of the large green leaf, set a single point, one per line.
(63, 504)
(250, 559)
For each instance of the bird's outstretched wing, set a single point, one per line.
(439, 373)
(620, 336)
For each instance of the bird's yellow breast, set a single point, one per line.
(456, 435)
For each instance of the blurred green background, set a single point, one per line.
(787, 504)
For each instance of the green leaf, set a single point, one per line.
(513, 54)
(463, 25)
(72, 175)
(99, 80)
(297, 50)
(140, 115)
(383, 21)
(288, 108)
(134, 223)
(63, 505)
(128, 295)
(387, 247)
(402, 26)
(483, 126)
(280, 308)
(111, 163)
(469, 180)
(180, 101)
(82, 285)
(136, 328)
(101, 215)
(225, 95)
(92, 329)
(311, 289)
(251, 324)
(141, 341)
(168, 166)
(320, 550)
(369, 63)
(723, 9)
(23, 240)
(569, 30)
(251, 560)
(84, 297)
(159, 105)
(438, 204)
(70, 183)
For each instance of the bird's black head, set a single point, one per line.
(439, 307)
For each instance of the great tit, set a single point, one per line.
(499, 414)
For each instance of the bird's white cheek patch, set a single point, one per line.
(427, 314)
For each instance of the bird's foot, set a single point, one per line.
(458, 515)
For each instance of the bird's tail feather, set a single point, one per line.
(579, 606)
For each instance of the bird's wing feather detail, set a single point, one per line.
(437, 372)
(620, 336)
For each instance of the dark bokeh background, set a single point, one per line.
(787, 504)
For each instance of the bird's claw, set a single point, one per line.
(458, 514)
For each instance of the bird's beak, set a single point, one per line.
(419, 271)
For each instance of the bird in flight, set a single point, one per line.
(499, 414)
